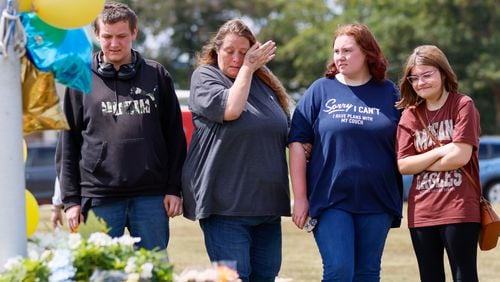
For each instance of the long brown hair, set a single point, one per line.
(428, 55)
(377, 63)
(208, 55)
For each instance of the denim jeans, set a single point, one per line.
(144, 217)
(351, 245)
(254, 242)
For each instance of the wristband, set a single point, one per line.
(55, 208)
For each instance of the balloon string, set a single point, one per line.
(11, 28)
(10, 7)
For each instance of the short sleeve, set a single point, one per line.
(301, 129)
(404, 135)
(467, 128)
(208, 93)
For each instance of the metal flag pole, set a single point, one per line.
(13, 241)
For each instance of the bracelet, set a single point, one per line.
(55, 208)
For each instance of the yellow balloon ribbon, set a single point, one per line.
(67, 14)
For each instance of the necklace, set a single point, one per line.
(430, 121)
(440, 104)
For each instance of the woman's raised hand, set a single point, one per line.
(260, 54)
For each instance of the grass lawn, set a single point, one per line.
(301, 260)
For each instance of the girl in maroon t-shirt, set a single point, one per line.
(438, 139)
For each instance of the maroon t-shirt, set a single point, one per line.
(443, 197)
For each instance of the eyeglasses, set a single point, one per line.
(424, 77)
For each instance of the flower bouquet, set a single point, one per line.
(217, 272)
(87, 256)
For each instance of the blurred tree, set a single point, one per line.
(466, 30)
(183, 27)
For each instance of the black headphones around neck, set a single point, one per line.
(125, 72)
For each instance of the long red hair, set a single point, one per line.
(377, 63)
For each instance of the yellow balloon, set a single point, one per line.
(25, 150)
(25, 6)
(68, 14)
(32, 213)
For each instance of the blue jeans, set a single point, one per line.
(144, 217)
(254, 242)
(351, 245)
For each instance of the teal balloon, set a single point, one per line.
(42, 40)
(67, 53)
(73, 66)
(50, 34)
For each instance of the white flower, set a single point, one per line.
(188, 275)
(147, 270)
(62, 274)
(198, 275)
(51, 240)
(127, 240)
(131, 266)
(209, 274)
(62, 238)
(42, 240)
(61, 266)
(58, 258)
(13, 262)
(74, 241)
(133, 277)
(45, 255)
(100, 239)
(34, 251)
(61, 258)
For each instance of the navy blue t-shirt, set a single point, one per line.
(353, 161)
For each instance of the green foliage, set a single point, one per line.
(303, 45)
(92, 224)
(31, 271)
(78, 256)
(189, 25)
(467, 31)
(90, 258)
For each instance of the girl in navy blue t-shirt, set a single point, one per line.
(350, 183)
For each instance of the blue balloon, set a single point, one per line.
(73, 64)
(42, 40)
(65, 53)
